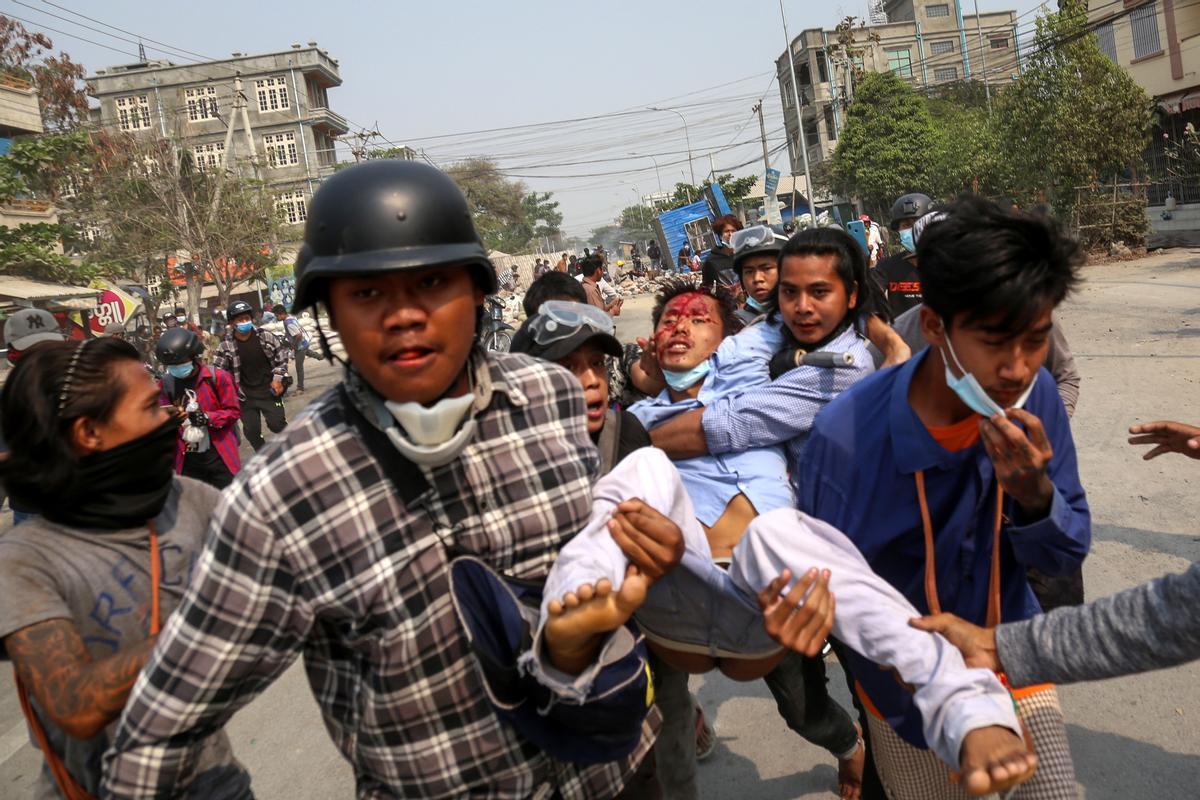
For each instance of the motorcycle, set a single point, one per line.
(495, 334)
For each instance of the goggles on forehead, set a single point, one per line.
(754, 236)
(560, 319)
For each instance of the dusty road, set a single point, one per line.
(1135, 330)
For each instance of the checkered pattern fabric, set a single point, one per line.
(315, 551)
(226, 356)
(912, 773)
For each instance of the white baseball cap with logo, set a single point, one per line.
(29, 326)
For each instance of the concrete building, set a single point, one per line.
(20, 114)
(293, 128)
(925, 42)
(1156, 43)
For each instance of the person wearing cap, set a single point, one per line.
(207, 449)
(23, 330)
(258, 362)
(336, 543)
(897, 275)
(114, 330)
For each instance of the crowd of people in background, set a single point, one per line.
(501, 568)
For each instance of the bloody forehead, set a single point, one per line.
(691, 304)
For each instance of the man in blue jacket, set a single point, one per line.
(970, 479)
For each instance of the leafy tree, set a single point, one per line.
(735, 190)
(1073, 117)
(543, 214)
(58, 80)
(147, 200)
(884, 147)
(34, 169)
(965, 156)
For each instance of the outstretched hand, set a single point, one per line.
(647, 538)
(1168, 437)
(793, 620)
(978, 645)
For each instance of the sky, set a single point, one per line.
(555, 90)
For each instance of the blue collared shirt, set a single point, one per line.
(857, 473)
(761, 413)
(712, 481)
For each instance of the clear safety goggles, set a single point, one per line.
(754, 236)
(560, 319)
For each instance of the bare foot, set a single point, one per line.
(581, 618)
(850, 771)
(994, 759)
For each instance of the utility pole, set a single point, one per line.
(238, 110)
(687, 137)
(762, 130)
(800, 138)
(987, 89)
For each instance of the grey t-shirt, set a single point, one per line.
(100, 580)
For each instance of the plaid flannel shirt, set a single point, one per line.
(226, 356)
(315, 550)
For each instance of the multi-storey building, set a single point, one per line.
(292, 128)
(20, 114)
(925, 42)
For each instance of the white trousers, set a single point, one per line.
(699, 605)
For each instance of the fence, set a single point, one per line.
(1111, 213)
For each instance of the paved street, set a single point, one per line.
(1135, 329)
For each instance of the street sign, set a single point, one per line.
(113, 305)
(772, 182)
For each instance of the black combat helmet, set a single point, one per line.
(909, 206)
(237, 308)
(386, 215)
(178, 346)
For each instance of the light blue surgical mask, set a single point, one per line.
(754, 305)
(180, 370)
(906, 240)
(244, 327)
(679, 381)
(972, 393)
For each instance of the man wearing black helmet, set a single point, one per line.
(897, 274)
(206, 402)
(258, 362)
(337, 542)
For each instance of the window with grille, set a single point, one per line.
(281, 149)
(1144, 21)
(945, 74)
(899, 61)
(940, 10)
(272, 94)
(208, 156)
(941, 48)
(201, 103)
(857, 60)
(1107, 41)
(133, 112)
(291, 207)
(699, 234)
(999, 42)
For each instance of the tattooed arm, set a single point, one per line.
(81, 696)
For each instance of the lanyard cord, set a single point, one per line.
(155, 580)
(931, 593)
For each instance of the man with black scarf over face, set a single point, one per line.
(85, 585)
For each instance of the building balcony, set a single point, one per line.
(333, 123)
(19, 110)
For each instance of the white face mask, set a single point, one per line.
(432, 436)
(972, 393)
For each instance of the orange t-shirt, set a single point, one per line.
(958, 436)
